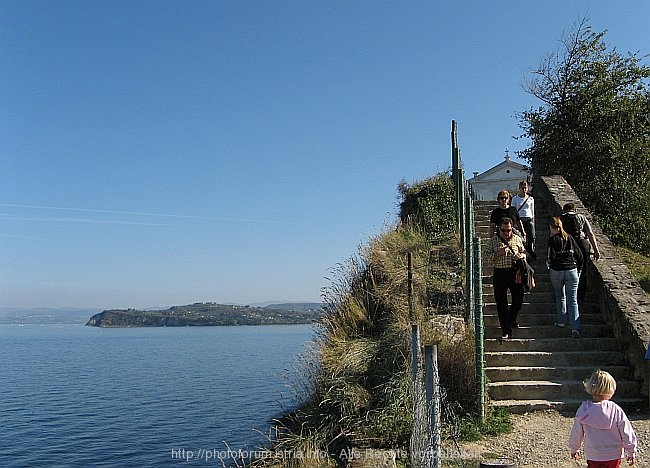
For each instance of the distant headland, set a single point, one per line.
(210, 314)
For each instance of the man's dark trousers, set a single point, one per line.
(504, 280)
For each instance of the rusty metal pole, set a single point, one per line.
(409, 280)
(415, 351)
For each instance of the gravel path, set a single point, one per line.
(540, 439)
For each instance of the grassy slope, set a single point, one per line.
(639, 265)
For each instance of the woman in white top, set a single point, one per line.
(525, 205)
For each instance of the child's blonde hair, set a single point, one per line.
(600, 383)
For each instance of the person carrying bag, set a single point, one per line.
(505, 249)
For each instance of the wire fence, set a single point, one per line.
(436, 426)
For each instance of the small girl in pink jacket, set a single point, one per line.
(602, 425)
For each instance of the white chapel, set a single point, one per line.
(504, 176)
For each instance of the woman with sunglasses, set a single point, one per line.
(504, 210)
(505, 248)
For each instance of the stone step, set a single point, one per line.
(534, 303)
(535, 295)
(527, 320)
(541, 286)
(486, 206)
(528, 405)
(552, 344)
(541, 274)
(551, 331)
(483, 231)
(564, 405)
(484, 202)
(540, 307)
(489, 205)
(482, 218)
(545, 290)
(542, 367)
(500, 374)
(552, 390)
(482, 225)
(597, 359)
(543, 308)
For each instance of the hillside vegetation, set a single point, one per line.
(595, 109)
(207, 314)
(356, 388)
(639, 265)
(593, 128)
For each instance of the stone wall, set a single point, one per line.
(623, 302)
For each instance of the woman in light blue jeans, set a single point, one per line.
(565, 261)
(565, 283)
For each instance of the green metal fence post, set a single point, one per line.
(455, 173)
(478, 328)
(462, 204)
(469, 263)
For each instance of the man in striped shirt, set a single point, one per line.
(504, 248)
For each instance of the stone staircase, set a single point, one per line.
(542, 367)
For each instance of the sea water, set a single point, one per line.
(72, 395)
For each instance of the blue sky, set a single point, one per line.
(156, 153)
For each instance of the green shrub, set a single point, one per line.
(497, 422)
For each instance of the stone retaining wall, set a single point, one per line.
(622, 301)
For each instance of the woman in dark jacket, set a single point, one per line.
(565, 261)
(504, 210)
